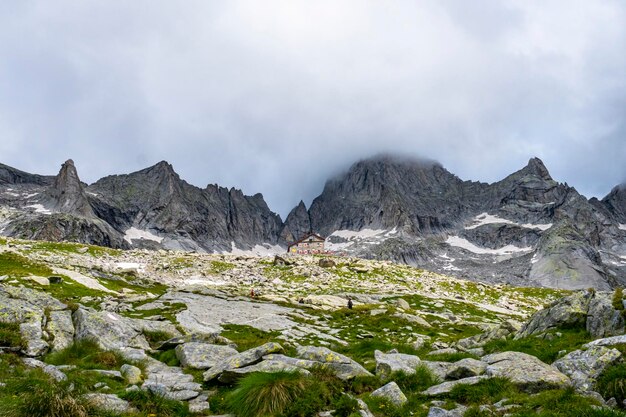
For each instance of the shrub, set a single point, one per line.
(155, 338)
(266, 394)
(612, 383)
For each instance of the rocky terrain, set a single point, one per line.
(526, 230)
(98, 331)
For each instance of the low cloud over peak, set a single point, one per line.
(276, 97)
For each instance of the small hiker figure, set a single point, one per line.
(350, 303)
(252, 294)
(301, 300)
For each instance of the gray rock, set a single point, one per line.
(131, 374)
(439, 369)
(459, 411)
(269, 366)
(200, 404)
(403, 304)
(32, 335)
(391, 392)
(446, 387)
(564, 312)
(61, 329)
(202, 355)
(607, 341)
(499, 332)
(343, 367)
(466, 368)
(386, 363)
(602, 319)
(364, 410)
(584, 366)
(51, 370)
(109, 330)
(107, 373)
(169, 381)
(249, 357)
(525, 371)
(108, 402)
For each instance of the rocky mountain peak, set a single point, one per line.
(537, 168)
(615, 202)
(68, 193)
(297, 224)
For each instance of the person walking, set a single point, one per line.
(350, 303)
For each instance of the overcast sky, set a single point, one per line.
(276, 96)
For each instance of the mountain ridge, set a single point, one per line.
(525, 229)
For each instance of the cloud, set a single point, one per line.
(276, 96)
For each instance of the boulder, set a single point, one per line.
(568, 311)
(326, 263)
(343, 367)
(526, 371)
(61, 329)
(109, 330)
(446, 387)
(391, 392)
(439, 369)
(403, 304)
(412, 318)
(131, 374)
(584, 366)
(200, 404)
(498, 332)
(202, 355)
(51, 370)
(249, 357)
(386, 363)
(32, 335)
(169, 381)
(602, 319)
(466, 368)
(229, 376)
(108, 402)
(607, 341)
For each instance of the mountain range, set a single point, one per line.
(526, 229)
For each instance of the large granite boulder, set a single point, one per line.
(584, 366)
(603, 320)
(269, 366)
(108, 402)
(240, 360)
(466, 368)
(568, 311)
(526, 371)
(497, 332)
(386, 363)
(202, 355)
(109, 330)
(61, 329)
(446, 387)
(169, 381)
(391, 392)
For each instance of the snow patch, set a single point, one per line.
(39, 208)
(12, 194)
(486, 218)
(258, 250)
(467, 245)
(131, 265)
(622, 226)
(363, 236)
(30, 195)
(134, 233)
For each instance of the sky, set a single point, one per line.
(277, 96)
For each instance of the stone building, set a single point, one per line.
(309, 244)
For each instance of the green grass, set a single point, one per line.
(544, 349)
(487, 391)
(86, 354)
(155, 338)
(168, 357)
(10, 335)
(247, 337)
(218, 267)
(612, 382)
(17, 266)
(152, 404)
(417, 382)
